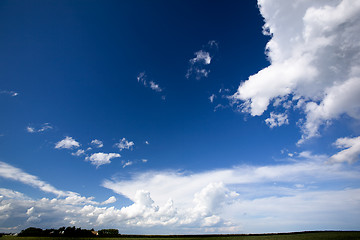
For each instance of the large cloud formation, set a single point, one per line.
(315, 62)
(287, 198)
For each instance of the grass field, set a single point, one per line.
(293, 236)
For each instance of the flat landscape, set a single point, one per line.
(292, 236)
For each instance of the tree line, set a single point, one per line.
(68, 232)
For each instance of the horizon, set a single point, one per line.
(172, 117)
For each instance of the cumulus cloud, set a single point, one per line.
(277, 120)
(198, 65)
(218, 201)
(101, 158)
(68, 143)
(44, 127)
(351, 152)
(124, 144)
(314, 55)
(97, 143)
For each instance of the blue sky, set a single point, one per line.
(179, 117)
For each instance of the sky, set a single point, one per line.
(180, 117)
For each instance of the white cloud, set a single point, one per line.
(10, 93)
(124, 144)
(44, 127)
(314, 55)
(79, 152)
(147, 142)
(155, 86)
(240, 199)
(110, 200)
(128, 163)
(351, 152)
(97, 143)
(68, 143)
(100, 158)
(9, 172)
(211, 98)
(202, 58)
(277, 120)
(142, 78)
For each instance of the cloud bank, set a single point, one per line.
(287, 197)
(314, 53)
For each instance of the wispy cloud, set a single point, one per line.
(124, 144)
(78, 153)
(143, 79)
(68, 143)
(10, 93)
(198, 65)
(314, 61)
(44, 127)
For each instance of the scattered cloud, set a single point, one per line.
(198, 65)
(44, 127)
(10, 93)
(211, 98)
(351, 152)
(97, 143)
(277, 120)
(314, 62)
(124, 144)
(100, 158)
(143, 79)
(78, 153)
(128, 163)
(155, 87)
(68, 143)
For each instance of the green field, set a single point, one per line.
(293, 236)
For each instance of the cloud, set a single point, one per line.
(100, 158)
(9, 172)
(78, 153)
(124, 144)
(197, 65)
(68, 143)
(211, 98)
(277, 120)
(43, 128)
(247, 199)
(314, 55)
(128, 163)
(351, 152)
(97, 143)
(110, 200)
(10, 93)
(155, 86)
(142, 78)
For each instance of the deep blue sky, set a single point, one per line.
(74, 66)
